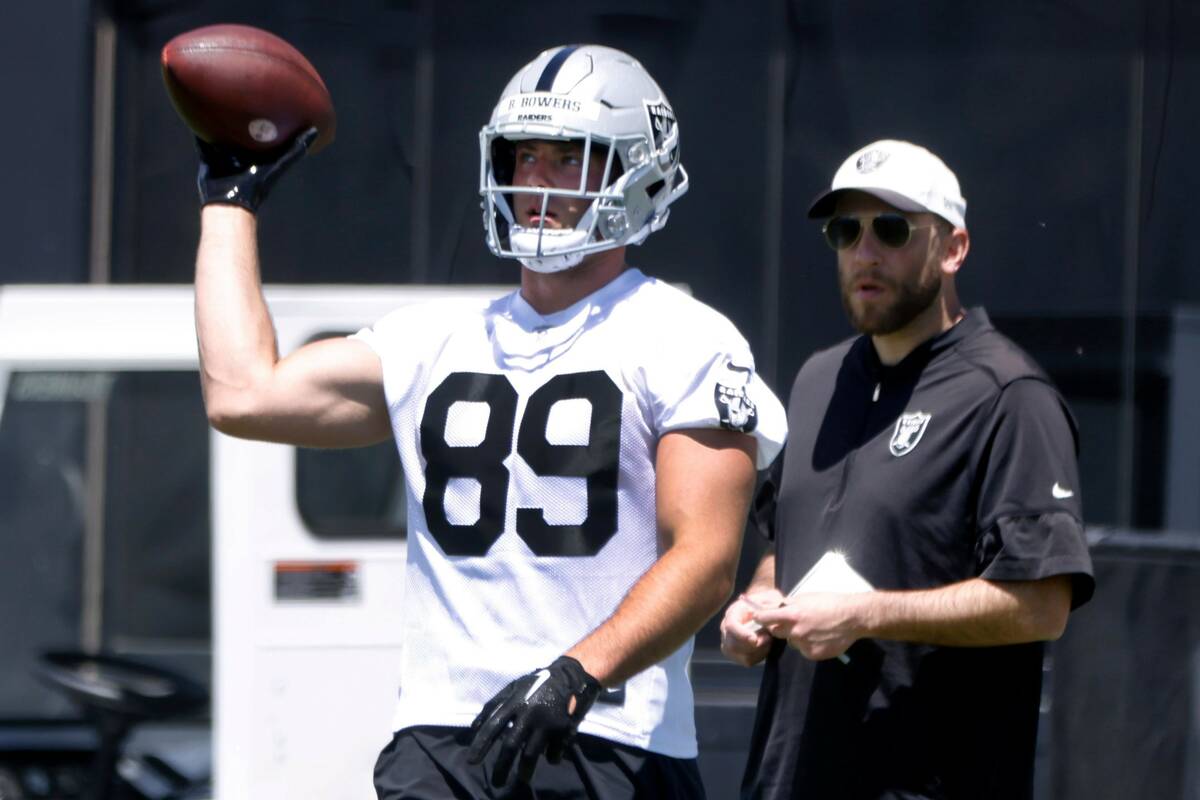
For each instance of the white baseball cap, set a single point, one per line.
(901, 174)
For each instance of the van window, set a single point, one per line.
(357, 493)
(104, 516)
(351, 494)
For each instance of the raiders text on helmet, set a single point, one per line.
(605, 100)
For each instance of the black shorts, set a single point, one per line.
(430, 763)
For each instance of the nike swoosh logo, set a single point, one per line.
(1061, 492)
(543, 675)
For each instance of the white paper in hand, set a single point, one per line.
(831, 573)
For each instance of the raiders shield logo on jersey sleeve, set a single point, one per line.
(735, 409)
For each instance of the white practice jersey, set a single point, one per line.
(528, 445)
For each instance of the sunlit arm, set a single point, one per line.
(972, 613)
(326, 394)
(704, 483)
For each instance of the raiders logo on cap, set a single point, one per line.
(871, 161)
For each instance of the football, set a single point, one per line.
(242, 86)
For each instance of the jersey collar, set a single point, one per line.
(523, 339)
(525, 316)
(974, 321)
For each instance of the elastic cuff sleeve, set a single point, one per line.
(1028, 548)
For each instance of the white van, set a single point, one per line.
(270, 573)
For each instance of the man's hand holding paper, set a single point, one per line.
(823, 614)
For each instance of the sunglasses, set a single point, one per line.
(892, 230)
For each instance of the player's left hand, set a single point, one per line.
(535, 714)
(819, 625)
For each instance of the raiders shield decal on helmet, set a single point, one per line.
(909, 430)
(735, 409)
(662, 124)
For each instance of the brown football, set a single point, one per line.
(242, 86)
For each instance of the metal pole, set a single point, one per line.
(91, 622)
(1129, 294)
(776, 120)
(103, 92)
(423, 147)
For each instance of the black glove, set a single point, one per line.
(530, 716)
(241, 177)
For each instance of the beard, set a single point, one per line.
(911, 298)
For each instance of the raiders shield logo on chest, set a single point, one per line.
(909, 430)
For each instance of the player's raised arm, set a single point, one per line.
(327, 394)
(220, 77)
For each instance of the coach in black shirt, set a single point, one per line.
(939, 461)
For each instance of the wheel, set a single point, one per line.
(117, 693)
(118, 686)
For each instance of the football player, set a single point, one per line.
(579, 454)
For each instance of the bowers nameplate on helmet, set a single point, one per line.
(242, 86)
